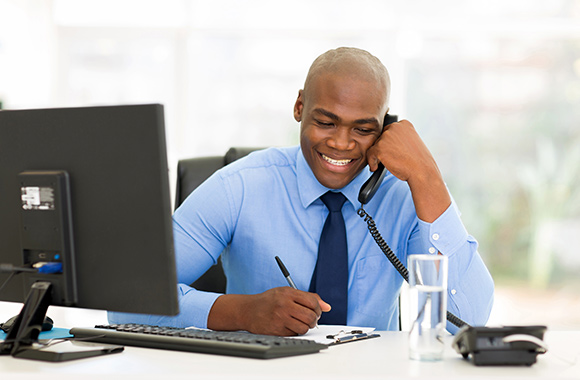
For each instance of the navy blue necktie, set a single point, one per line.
(330, 278)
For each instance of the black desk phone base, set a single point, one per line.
(509, 345)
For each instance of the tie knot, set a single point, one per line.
(333, 201)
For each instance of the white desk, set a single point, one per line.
(384, 358)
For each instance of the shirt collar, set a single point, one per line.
(310, 189)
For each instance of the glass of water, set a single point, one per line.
(428, 306)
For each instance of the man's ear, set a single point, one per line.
(299, 106)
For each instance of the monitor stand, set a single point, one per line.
(22, 339)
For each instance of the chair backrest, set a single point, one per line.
(191, 173)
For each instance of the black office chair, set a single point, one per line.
(191, 173)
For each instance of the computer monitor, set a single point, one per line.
(84, 199)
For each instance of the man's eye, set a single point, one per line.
(324, 123)
(365, 131)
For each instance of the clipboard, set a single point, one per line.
(350, 336)
(332, 335)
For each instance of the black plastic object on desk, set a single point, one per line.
(508, 345)
(232, 343)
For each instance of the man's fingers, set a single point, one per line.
(373, 162)
(291, 311)
(325, 307)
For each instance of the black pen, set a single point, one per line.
(285, 273)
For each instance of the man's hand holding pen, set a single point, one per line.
(289, 311)
(282, 311)
(286, 275)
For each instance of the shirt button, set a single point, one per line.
(453, 291)
(435, 236)
(432, 250)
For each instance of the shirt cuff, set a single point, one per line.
(193, 311)
(195, 308)
(446, 234)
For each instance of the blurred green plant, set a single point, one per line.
(551, 185)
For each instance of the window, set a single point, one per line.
(492, 87)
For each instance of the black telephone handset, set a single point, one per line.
(371, 186)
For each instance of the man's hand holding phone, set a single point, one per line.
(402, 151)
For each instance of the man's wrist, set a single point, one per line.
(227, 313)
(430, 195)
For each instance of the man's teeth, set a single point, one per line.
(336, 162)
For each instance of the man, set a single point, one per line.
(269, 204)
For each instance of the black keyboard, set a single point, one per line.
(194, 340)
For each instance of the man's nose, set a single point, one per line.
(341, 139)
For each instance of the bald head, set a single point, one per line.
(352, 63)
(341, 111)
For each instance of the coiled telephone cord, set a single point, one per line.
(395, 260)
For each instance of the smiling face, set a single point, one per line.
(341, 118)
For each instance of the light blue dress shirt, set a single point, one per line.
(267, 204)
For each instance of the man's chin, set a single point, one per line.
(335, 182)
